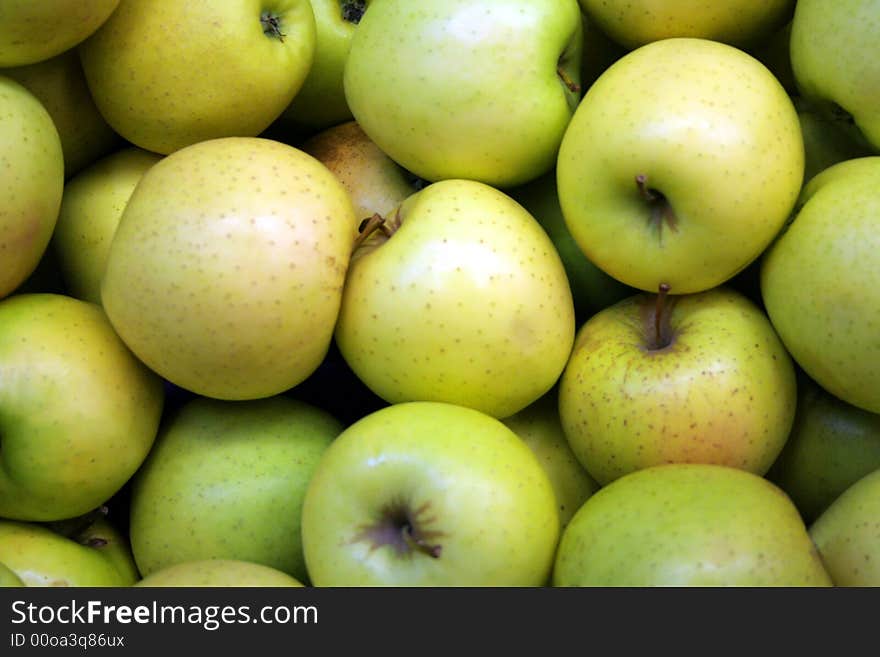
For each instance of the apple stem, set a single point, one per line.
(573, 86)
(661, 209)
(661, 340)
(420, 544)
(272, 26)
(369, 226)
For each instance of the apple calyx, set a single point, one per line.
(272, 25)
(661, 212)
(403, 530)
(659, 332)
(76, 528)
(353, 10)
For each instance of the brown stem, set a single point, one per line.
(661, 210)
(369, 226)
(420, 544)
(573, 86)
(660, 337)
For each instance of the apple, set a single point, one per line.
(699, 378)
(78, 412)
(60, 85)
(226, 480)
(226, 270)
(375, 182)
(31, 182)
(8, 578)
(31, 32)
(819, 281)
(470, 89)
(736, 22)
(466, 302)
(680, 165)
(40, 556)
(826, 141)
(688, 524)
(429, 494)
(847, 534)
(166, 74)
(835, 58)
(91, 207)
(539, 426)
(832, 444)
(218, 573)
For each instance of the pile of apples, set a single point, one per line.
(439, 293)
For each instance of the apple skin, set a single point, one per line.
(819, 282)
(827, 140)
(835, 58)
(847, 534)
(8, 578)
(40, 556)
(452, 479)
(708, 126)
(736, 22)
(91, 207)
(226, 480)
(440, 87)
(722, 391)
(218, 573)
(166, 74)
(78, 412)
(467, 302)
(31, 183)
(832, 444)
(31, 32)
(688, 524)
(60, 85)
(226, 270)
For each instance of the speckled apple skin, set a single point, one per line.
(218, 572)
(225, 273)
(688, 525)
(724, 390)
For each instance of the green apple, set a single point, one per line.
(591, 288)
(320, 103)
(664, 173)
(539, 426)
(466, 302)
(737, 22)
(471, 89)
(847, 534)
(819, 282)
(831, 445)
(166, 74)
(698, 378)
(78, 412)
(429, 494)
(91, 207)
(835, 58)
(688, 524)
(60, 85)
(8, 578)
(826, 140)
(218, 573)
(226, 270)
(375, 182)
(40, 556)
(31, 31)
(31, 182)
(226, 479)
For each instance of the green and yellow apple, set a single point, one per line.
(471, 89)
(847, 534)
(166, 74)
(226, 270)
(8, 578)
(835, 58)
(78, 412)
(31, 31)
(827, 141)
(97, 555)
(60, 85)
(736, 22)
(819, 282)
(31, 182)
(680, 165)
(832, 444)
(539, 426)
(226, 480)
(91, 207)
(466, 302)
(699, 378)
(218, 573)
(429, 494)
(688, 524)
